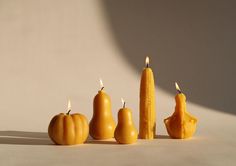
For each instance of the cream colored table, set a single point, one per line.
(214, 144)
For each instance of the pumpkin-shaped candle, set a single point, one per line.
(68, 129)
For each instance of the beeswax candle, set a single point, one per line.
(181, 124)
(102, 124)
(125, 132)
(147, 116)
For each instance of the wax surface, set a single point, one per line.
(181, 124)
(65, 129)
(125, 132)
(102, 124)
(147, 122)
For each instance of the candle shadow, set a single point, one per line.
(162, 137)
(104, 142)
(24, 138)
(196, 49)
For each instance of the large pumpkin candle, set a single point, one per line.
(102, 124)
(68, 129)
(147, 119)
(181, 124)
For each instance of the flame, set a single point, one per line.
(177, 87)
(122, 101)
(69, 105)
(147, 61)
(101, 83)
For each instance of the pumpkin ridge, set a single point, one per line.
(64, 129)
(50, 128)
(83, 126)
(74, 117)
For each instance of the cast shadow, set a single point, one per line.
(90, 140)
(162, 137)
(191, 42)
(24, 138)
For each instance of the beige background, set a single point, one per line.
(54, 50)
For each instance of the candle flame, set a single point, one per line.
(123, 102)
(101, 83)
(177, 87)
(147, 61)
(69, 105)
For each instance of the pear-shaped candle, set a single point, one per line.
(181, 124)
(125, 132)
(102, 124)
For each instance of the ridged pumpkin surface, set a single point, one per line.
(65, 129)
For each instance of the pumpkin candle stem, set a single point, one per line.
(69, 107)
(68, 112)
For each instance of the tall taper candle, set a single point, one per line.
(147, 116)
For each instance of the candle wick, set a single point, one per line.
(147, 65)
(68, 112)
(102, 88)
(124, 105)
(179, 91)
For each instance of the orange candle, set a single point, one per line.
(125, 132)
(147, 119)
(181, 124)
(102, 124)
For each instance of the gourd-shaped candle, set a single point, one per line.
(68, 129)
(102, 124)
(147, 116)
(125, 132)
(181, 124)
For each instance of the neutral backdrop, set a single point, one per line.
(55, 50)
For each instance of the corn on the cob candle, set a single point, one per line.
(147, 114)
(181, 124)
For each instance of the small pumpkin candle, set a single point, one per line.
(181, 124)
(102, 124)
(125, 132)
(68, 129)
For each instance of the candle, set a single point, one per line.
(68, 129)
(181, 124)
(102, 124)
(147, 122)
(125, 132)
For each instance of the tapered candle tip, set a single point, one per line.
(177, 87)
(147, 61)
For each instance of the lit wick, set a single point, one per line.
(68, 107)
(177, 87)
(147, 62)
(101, 84)
(123, 102)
